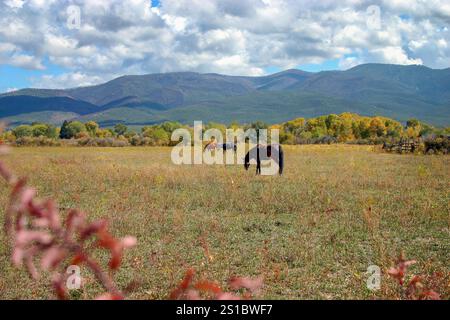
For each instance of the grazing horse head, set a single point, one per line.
(247, 158)
(247, 162)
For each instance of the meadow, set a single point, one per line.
(311, 233)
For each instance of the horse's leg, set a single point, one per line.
(281, 162)
(258, 163)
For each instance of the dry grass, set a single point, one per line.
(310, 233)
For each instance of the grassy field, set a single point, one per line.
(309, 233)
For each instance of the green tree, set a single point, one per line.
(317, 127)
(331, 122)
(426, 129)
(44, 130)
(377, 127)
(364, 128)
(120, 129)
(92, 128)
(412, 123)
(63, 132)
(221, 127)
(294, 126)
(171, 126)
(286, 137)
(394, 128)
(234, 125)
(305, 136)
(53, 132)
(104, 133)
(40, 130)
(158, 136)
(23, 131)
(75, 128)
(7, 136)
(258, 125)
(71, 129)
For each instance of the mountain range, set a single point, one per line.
(399, 92)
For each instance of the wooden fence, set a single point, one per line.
(404, 146)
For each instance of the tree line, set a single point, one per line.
(343, 128)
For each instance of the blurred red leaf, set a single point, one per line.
(253, 285)
(109, 296)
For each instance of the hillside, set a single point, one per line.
(400, 92)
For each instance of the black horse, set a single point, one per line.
(265, 153)
(228, 146)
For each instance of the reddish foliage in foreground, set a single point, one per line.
(415, 289)
(190, 290)
(37, 234)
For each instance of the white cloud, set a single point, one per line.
(227, 36)
(26, 62)
(395, 55)
(15, 4)
(6, 48)
(66, 80)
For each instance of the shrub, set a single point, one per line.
(135, 140)
(39, 130)
(157, 136)
(92, 128)
(8, 136)
(82, 135)
(36, 142)
(23, 131)
(103, 133)
(102, 142)
(119, 143)
(437, 144)
(120, 129)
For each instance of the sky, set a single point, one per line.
(71, 43)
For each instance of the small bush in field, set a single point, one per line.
(23, 131)
(437, 145)
(102, 142)
(135, 140)
(37, 142)
(82, 135)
